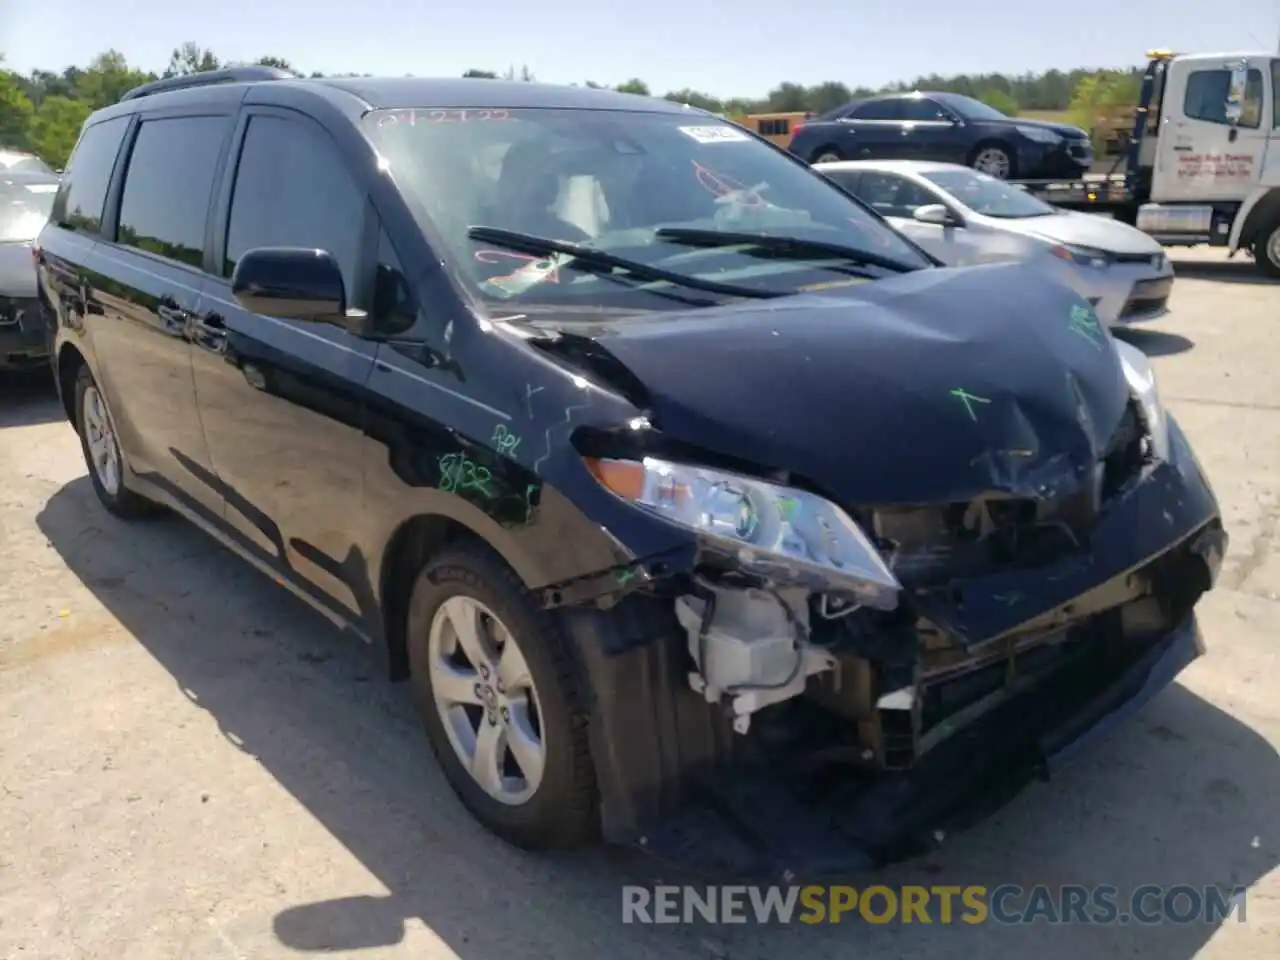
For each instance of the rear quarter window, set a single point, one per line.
(83, 193)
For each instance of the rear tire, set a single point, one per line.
(102, 453)
(993, 159)
(522, 703)
(1266, 249)
(827, 155)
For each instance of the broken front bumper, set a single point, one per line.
(677, 780)
(760, 824)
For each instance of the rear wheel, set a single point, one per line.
(993, 159)
(1266, 249)
(827, 155)
(102, 454)
(497, 689)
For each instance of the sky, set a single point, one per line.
(740, 48)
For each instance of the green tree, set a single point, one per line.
(55, 129)
(1000, 100)
(695, 98)
(481, 74)
(106, 80)
(634, 85)
(1104, 100)
(16, 110)
(280, 63)
(190, 58)
(524, 73)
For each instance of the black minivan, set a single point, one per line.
(700, 508)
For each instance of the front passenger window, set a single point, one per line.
(293, 190)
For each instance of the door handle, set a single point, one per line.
(1231, 136)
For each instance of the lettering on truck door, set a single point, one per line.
(1213, 131)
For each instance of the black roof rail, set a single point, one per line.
(208, 78)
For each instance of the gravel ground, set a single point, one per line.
(193, 764)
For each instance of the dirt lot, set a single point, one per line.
(193, 764)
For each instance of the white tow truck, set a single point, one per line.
(1203, 162)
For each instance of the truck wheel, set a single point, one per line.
(993, 159)
(102, 453)
(1266, 250)
(498, 691)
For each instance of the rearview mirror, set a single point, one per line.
(291, 283)
(935, 213)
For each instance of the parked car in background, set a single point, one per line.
(25, 201)
(692, 500)
(946, 127)
(964, 217)
(18, 161)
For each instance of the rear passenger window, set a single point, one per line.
(83, 193)
(165, 207)
(292, 190)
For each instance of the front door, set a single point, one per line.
(282, 400)
(1214, 128)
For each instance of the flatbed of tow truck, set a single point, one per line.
(1099, 192)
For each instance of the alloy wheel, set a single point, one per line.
(992, 161)
(487, 701)
(104, 451)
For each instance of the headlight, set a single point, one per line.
(1084, 256)
(1142, 381)
(1039, 134)
(771, 530)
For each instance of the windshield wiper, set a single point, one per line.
(794, 246)
(601, 261)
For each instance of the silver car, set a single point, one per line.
(964, 217)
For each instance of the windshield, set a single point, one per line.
(24, 208)
(643, 187)
(988, 196)
(22, 163)
(972, 109)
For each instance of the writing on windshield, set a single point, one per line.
(612, 180)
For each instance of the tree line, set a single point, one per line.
(43, 111)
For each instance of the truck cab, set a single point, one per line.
(1205, 156)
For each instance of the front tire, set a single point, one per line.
(499, 694)
(102, 454)
(1266, 250)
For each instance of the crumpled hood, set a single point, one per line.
(933, 386)
(1087, 230)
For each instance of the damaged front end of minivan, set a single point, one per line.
(932, 606)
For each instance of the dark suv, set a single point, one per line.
(948, 128)
(687, 494)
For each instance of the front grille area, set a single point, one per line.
(1146, 259)
(1081, 149)
(1147, 297)
(929, 545)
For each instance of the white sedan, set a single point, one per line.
(964, 217)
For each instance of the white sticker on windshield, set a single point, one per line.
(720, 133)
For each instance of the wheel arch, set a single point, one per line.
(1264, 210)
(69, 360)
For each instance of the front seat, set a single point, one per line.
(527, 188)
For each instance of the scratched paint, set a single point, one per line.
(1084, 323)
(968, 399)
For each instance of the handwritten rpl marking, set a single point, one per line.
(504, 440)
(968, 399)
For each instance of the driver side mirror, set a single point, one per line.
(292, 283)
(937, 214)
